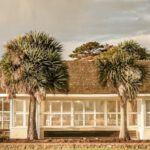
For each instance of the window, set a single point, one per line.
(132, 113)
(66, 120)
(81, 113)
(78, 113)
(56, 121)
(111, 113)
(100, 113)
(147, 113)
(4, 114)
(57, 113)
(21, 112)
(66, 113)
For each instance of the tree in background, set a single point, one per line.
(120, 70)
(32, 64)
(135, 49)
(89, 49)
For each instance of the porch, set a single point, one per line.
(68, 113)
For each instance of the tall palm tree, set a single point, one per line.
(121, 70)
(32, 63)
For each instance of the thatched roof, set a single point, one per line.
(84, 78)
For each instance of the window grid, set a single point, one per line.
(24, 114)
(4, 118)
(147, 113)
(81, 120)
(130, 113)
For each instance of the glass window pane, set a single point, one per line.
(132, 107)
(56, 120)
(99, 119)
(111, 119)
(118, 105)
(6, 117)
(55, 106)
(0, 116)
(89, 120)
(18, 120)
(147, 106)
(89, 106)
(132, 119)
(27, 105)
(119, 117)
(148, 119)
(27, 119)
(46, 120)
(78, 120)
(67, 120)
(99, 106)
(6, 106)
(111, 106)
(0, 125)
(18, 106)
(6, 125)
(66, 107)
(78, 106)
(47, 106)
(0, 104)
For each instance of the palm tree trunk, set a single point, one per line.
(32, 132)
(124, 134)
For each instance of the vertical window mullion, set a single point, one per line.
(94, 113)
(50, 114)
(105, 113)
(72, 114)
(24, 113)
(83, 111)
(116, 112)
(61, 114)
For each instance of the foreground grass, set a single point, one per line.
(72, 149)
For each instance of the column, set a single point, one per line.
(141, 118)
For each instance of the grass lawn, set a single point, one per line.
(73, 149)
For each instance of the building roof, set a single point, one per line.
(84, 78)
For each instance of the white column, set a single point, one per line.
(141, 118)
(11, 113)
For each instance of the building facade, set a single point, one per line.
(87, 107)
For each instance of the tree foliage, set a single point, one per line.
(120, 70)
(32, 62)
(88, 49)
(135, 49)
(118, 67)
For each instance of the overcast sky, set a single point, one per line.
(73, 22)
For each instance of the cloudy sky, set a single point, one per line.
(73, 22)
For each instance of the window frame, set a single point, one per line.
(2, 111)
(24, 113)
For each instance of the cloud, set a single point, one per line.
(144, 40)
(75, 21)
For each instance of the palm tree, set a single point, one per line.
(120, 70)
(135, 49)
(32, 63)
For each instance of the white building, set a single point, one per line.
(88, 109)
